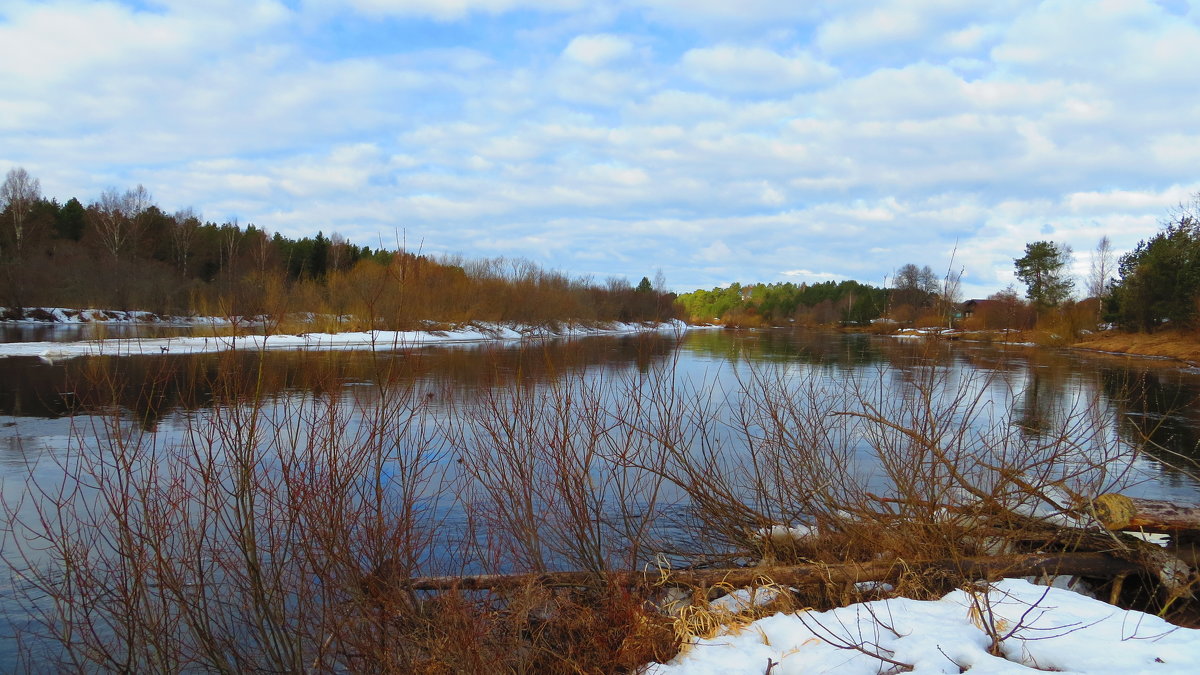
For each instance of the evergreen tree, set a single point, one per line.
(1044, 272)
(1160, 279)
(70, 221)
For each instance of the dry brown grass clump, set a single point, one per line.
(1172, 343)
(526, 629)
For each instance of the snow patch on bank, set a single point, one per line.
(1037, 628)
(364, 340)
(67, 316)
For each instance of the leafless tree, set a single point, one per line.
(911, 277)
(137, 200)
(183, 236)
(262, 251)
(117, 217)
(231, 235)
(1102, 268)
(18, 194)
(952, 288)
(337, 251)
(914, 286)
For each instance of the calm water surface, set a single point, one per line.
(45, 409)
(76, 332)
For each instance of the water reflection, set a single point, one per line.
(1150, 400)
(1143, 399)
(1157, 406)
(151, 387)
(78, 332)
(846, 351)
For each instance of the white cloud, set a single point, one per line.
(345, 169)
(681, 106)
(721, 15)
(870, 28)
(447, 10)
(756, 128)
(1125, 201)
(772, 196)
(809, 275)
(749, 69)
(1137, 44)
(106, 39)
(718, 251)
(598, 50)
(596, 86)
(618, 175)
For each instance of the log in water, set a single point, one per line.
(1119, 512)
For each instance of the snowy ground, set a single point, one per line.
(1037, 628)
(53, 351)
(68, 316)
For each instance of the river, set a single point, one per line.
(453, 428)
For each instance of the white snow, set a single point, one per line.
(68, 316)
(52, 351)
(1038, 628)
(787, 532)
(742, 599)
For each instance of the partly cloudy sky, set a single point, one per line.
(717, 141)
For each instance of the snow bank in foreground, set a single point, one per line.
(319, 341)
(1042, 629)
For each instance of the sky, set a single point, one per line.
(714, 141)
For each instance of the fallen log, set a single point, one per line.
(1101, 565)
(1119, 512)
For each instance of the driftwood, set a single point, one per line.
(1032, 564)
(1173, 567)
(1118, 512)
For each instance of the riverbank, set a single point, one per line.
(1179, 345)
(67, 316)
(316, 341)
(1173, 344)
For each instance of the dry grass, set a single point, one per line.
(1183, 345)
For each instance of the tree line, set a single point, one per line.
(779, 303)
(917, 295)
(1156, 284)
(122, 251)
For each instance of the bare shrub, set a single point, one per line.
(281, 532)
(550, 471)
(844, 469)
(238, 545)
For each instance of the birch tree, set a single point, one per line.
(183, 237)
(18, 194)
(1102, 268)
(117, 217)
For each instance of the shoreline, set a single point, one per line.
(1167, 345)
(1173, 344)
(1170, 344)
(473, 333)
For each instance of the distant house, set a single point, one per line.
(970, 307)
